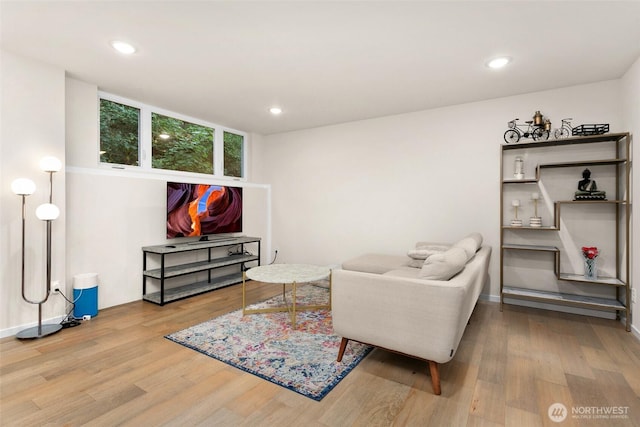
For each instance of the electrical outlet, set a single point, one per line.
(55, 285)
(633, 295)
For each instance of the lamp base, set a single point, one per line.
(38, 332)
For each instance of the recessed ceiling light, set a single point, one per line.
(123, 47)
(498, 62)
(275, 110)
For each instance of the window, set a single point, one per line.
(119, 133)
(129, 131)
(233, 154)
(181, 146)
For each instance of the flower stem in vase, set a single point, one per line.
(590, 254)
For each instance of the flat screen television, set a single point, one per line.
(202, 209)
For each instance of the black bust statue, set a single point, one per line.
(587, 188)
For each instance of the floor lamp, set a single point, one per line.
(47, 212)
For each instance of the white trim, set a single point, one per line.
(145, 148)
(168, 175)
(489, 297)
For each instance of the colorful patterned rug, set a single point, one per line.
(301, 359)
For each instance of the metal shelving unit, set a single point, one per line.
(165, 272)
(619, 206)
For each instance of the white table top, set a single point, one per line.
(288, 273)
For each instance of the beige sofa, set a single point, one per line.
(382, 301)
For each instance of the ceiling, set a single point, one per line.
(323, 62)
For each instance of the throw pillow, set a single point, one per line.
(477, 237)
(418, 255)
(415, 263)
(470, 244)
(444, 266)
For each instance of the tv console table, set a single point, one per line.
(212, 262)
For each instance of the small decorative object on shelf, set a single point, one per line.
(538, 129)
(565, 130)
(535, 220)
(590, 254)
(516, 222)
(591, 129)
(518, 168)
(587, 188)
(537, 118)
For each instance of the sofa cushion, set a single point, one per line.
(470, 244)
(376, 263)
(445, 265)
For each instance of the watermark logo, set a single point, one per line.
(557, 412)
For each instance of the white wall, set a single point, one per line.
(32, 118)
(380, 185)
(112, 214)
(631, 107)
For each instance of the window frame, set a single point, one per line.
(145, 141)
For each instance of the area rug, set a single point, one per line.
(301, 359)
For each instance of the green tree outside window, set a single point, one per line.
(119, 133)
(181, 146)
(233, 145)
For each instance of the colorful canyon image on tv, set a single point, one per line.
(202, 209)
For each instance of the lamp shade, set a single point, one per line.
(23, 186)
(50, 164)
(47, 212)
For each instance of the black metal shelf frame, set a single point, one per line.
(164, 272)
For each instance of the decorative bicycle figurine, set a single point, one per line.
(516, 131)
(565, 130)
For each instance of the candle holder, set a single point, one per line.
(516, 222)
(518, 168)
(535, 220)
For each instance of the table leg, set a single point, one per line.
(293, 314)
(330, 288)
(244, 300)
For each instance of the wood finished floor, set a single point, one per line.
(117, 369)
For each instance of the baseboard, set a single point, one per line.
(636, 332)
(14, 330)
(490, 298)
(496, 298)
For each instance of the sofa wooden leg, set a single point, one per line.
(343, 346)
(435, 377)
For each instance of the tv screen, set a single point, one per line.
(201, 209)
